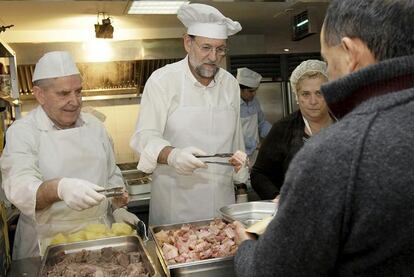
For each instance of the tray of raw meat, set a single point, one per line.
(200, 248)
(123, 256)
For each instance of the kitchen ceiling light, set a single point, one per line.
(155, 7)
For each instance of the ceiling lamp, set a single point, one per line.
(104, 30)
(155, 7)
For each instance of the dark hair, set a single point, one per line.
(244, 87)
(385, 26)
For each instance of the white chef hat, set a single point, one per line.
(54, 64)
(206, 21)
(248, 77)
(308, 66)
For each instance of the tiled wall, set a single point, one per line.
(121, 116)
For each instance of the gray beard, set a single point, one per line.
(202, 72)
(206, 73)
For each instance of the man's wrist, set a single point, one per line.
(163, 156)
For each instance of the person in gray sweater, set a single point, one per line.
(347, 204)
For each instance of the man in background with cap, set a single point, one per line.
(191, 108)
(253, 122)
(54, 160)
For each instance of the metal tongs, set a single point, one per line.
(142, 231)
(112, 192)
(218, 155)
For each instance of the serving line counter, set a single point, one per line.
(213, 265)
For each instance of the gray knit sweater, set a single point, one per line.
(347, 204)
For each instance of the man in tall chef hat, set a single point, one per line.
(55, 160)
(190, 108)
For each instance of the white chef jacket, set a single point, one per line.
(161, 98)
(19, 162)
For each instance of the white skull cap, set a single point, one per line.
(308, 66)
(54, 64)
(206, 21)
(248, 77)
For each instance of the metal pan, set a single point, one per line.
(218, 267)
(126, 243)
(248, 213)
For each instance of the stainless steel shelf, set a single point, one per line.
(109, 97)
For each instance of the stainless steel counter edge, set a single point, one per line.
(139, 200)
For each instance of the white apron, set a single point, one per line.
(179, 198)
(73, 153)
(250, 128)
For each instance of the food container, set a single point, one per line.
(126, 243)
(137, 182)
(248, 213)
(218, 267)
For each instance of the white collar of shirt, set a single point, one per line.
(196, 83)
(46, 124)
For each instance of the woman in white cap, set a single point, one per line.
(54, 160)
(253, 122)
(288, 135)
(191, 108)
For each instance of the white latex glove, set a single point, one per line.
(241, 176)
(183, 160)
(238, 160)
(79, 194)
(123, 216)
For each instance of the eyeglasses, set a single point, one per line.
(207, 49)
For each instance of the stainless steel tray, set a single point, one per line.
(248, 213)
(126, 243)
(137, 182)
(220, 267)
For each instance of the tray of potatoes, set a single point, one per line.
(93, 232)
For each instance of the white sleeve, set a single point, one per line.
(238, 144)
(147, 139)
(21, 175)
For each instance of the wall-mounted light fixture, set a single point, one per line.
(4, 28)
(104, 30)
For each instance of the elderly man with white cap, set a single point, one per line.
(254, 124)
(191, 108)
(55, 160)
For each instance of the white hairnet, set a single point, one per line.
(308, 66)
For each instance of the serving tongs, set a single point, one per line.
(218, 155)
(112, 192)
(142, 230)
